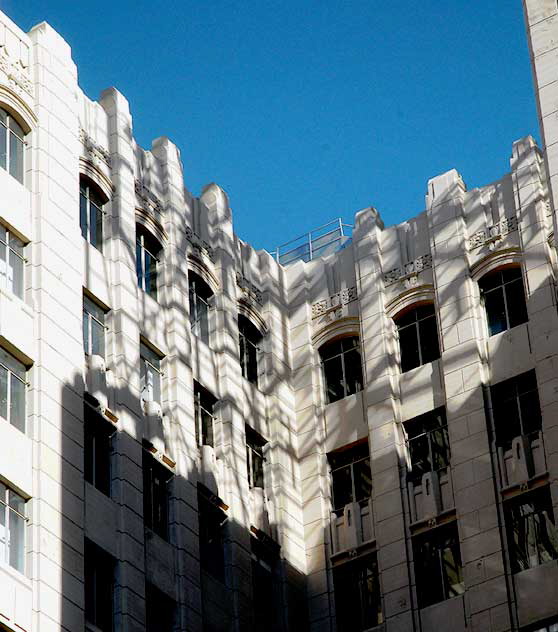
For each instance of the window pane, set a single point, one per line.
(97, 338)
(517, 309)
(3, 141)
(439, 444)
(363, 479)
(203, 320)
(342, 487)
(3, 266)
(353, 371)
(15, 274)
(17, 404)
(102, 457)
(531, 420)
(17, 539)
(154, 379)
(86, 346)
(151, 275)
(16, 157)
(83, 214)
(4, 556)
(257, 469)
(252, 363)
(428, 333)
(495, 311)
(3, 393)
(139, 265)
(420, 456)
(451, 564)
(89, 446)
(408, 343)
(334, 382)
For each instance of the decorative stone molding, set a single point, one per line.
(202, 270)
(493, 234)
(152, 225)
(340, 328)
(408, 273)
(409, 298)
(148, 200)
(334, 302)
(499, 259)
(92, 171)
(247, 309)
(94, 151)
(200, 244)
(16, 72)
(250, 292)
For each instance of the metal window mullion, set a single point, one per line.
(442, 574)
(9, 397)
(343, 374)
(353, 486)
(419, 346)
(503, 288)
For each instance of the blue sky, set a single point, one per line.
(305, 111)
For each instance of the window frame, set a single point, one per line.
(249, 337)
(147, 368)
(341, 355)
(5, 360)
(156, 495)
(96, 428)
(348, 458)
(204, 406)
(207, 512)
(86, 188)
(88, 316)
(7, 510)
(420, 345)
(9, 134)
(195, 297)
(100, 568)
(20, 258)
(255, 445)
(413, 473)
(503, 287)
(144, 274)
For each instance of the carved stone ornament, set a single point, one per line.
(17, 74)
(408, 271)
(250, 292)
(94, 151)
(493, 234)
(334, 302)
(148, 200)
(200, 244)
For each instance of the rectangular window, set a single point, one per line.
(503, 295)
(12, 390)
(12, 528)
(159, 610)
(516, 408)
(438, 569)
(532, 534)
(428, 441)
(212, 522)
(342, 370)
(12, 141)
(99, 587)
(147, 249)
(351, 479)
(156, 480)
(12, 263)
(249, 341)
(254, 458)
(204, 404)
(200, 295)
(358, 602)
(93, 328)
(150, 374)
(97, 449)
(418, 336)
(91, 214)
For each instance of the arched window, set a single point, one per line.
(503, 295)
(91, 212)
(418, 336)
(147, 259)
(249, 339)
(342, 368)
(200, 304)
(12, 142)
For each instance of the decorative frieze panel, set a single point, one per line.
(410, 269)
(200, 244)
(94, 151)
(334, 302)
(16, 72)
(249, 290)
(493, 234)
(148, 200)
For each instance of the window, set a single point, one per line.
(12, 390)
(150, 374)
(504, 299)
(249, 339)
(200, 298)
(439, 574)
(532, 534)
(12, 141)
(358, 602)
(204, 403)
(93, 328)
(156, 479)
(264, 560)
(212, 522)
(98, 449)
(91, 213)
(351, 480)
(147, 251)
(341, 368)
(12, 528)
(418, 336)
(159, 610)
(12, 263)
(516, 408)
(428, 442)
(551, 626)
(99, 587)
(254, 458)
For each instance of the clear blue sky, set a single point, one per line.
(305, 111)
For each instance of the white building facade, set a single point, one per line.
(194, 437)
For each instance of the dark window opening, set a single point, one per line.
(99, 587)
(428, 442)
(342, 368)
(418, 336)
(212, 525)
(204, 405)
(255, 458)
(12, 143)
(358, 602)
(249, 339)
(439, 573)
(160, 610)
(351, 479)
(532, 534)
(147, 259)
(91, 213)
(97, 449)
(200, 296)
(503, 295)
(264, 561)
(516, 408)
(156, 479)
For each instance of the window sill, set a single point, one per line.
(16, 575)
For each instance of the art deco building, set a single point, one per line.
(359, 433)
